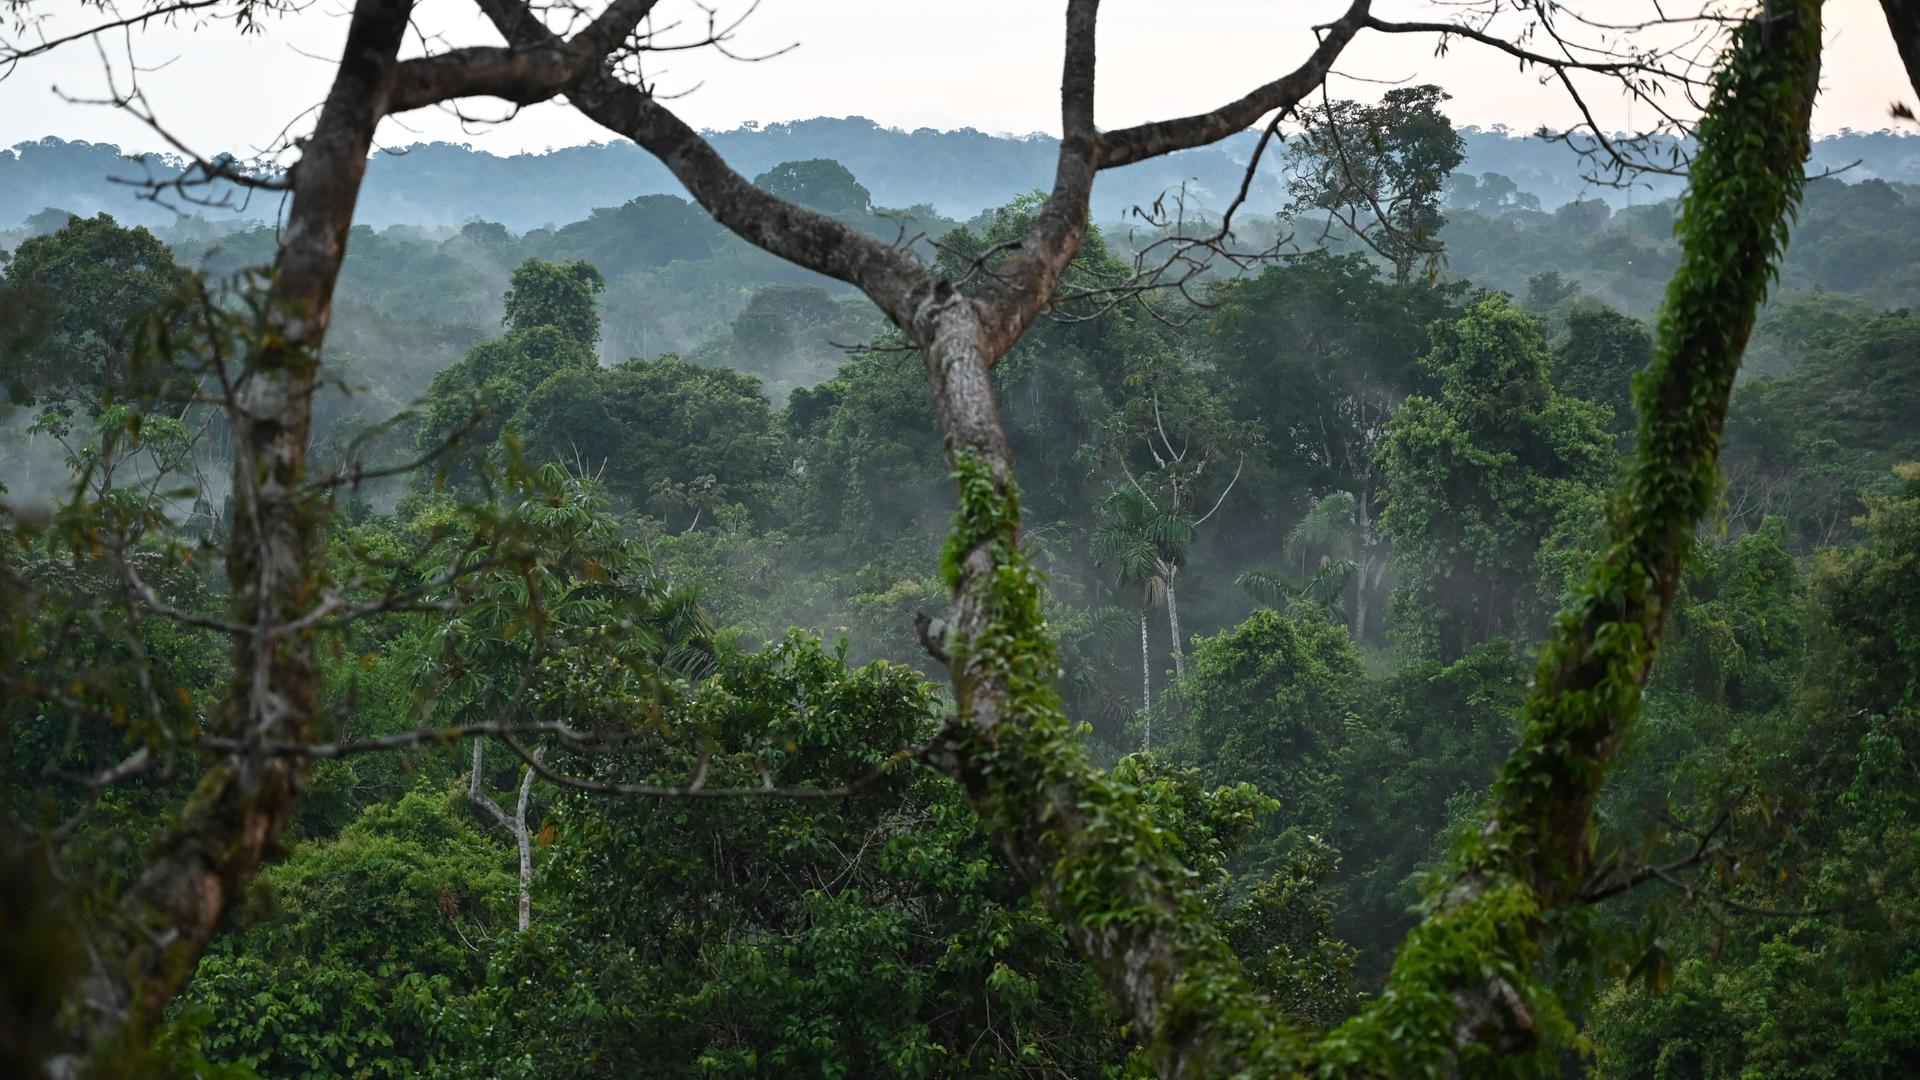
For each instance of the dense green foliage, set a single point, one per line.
(1479, 477)
(699, 533)
(72, 309)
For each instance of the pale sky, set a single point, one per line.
(988, 64)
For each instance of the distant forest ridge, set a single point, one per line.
(955, 173)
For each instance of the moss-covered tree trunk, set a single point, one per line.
(1464, 996)
(202, 865)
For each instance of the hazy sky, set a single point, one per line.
(988, 64)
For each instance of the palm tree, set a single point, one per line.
(1320, 561)
(1146, 545)
(1090, 658)
(1318, 592)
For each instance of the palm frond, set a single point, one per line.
(1271, 588)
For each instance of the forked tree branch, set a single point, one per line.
(1082, 843)
(520, 73)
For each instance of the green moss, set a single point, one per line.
(1508, 879)
(1110, 866)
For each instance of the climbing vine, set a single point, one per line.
(1465, 991)
(1471, 966)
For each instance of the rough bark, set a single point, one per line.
(1057, 820)
(1144, 141)
(524, 842)
(522, 74)
(1060, 824)
(203, 864)
(1082, 843)
(1465, 985)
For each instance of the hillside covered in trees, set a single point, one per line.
(941, 173)
(594, 674)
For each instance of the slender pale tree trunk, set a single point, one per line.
(1146, 674)
(1363, 550)
(525, 843)
(202, 864)
(515, 824)
(1173, 623)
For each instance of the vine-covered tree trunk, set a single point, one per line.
(1465, 992)
(1464, 996)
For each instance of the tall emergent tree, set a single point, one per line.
(1377, 172)
(558, 295)
(1476, 476)
(1464, 993)
(77, 354)
(1319, 352)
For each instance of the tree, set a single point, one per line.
(1491, 193)
(364, 962)
(1597, 361)
(635, 426)
(559, 295)
(1328, 539)
(83, 294)
(1805, 444)
(1798, 934)
(791, 335)
(1170, 437)
(1267, 704)
(1148, 543)
(471, 404)
(169, 910)
(517, 652)
(650, 231)
(1475, 479)
(892, 963)
(820, 184)
(645, 423)
(1319, 352)
(1462, 990)
(1143, 545)
(1379, 170)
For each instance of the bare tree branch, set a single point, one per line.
(1128, 145)
(519, 73)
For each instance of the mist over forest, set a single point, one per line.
(1368, 599)
(952, 174)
